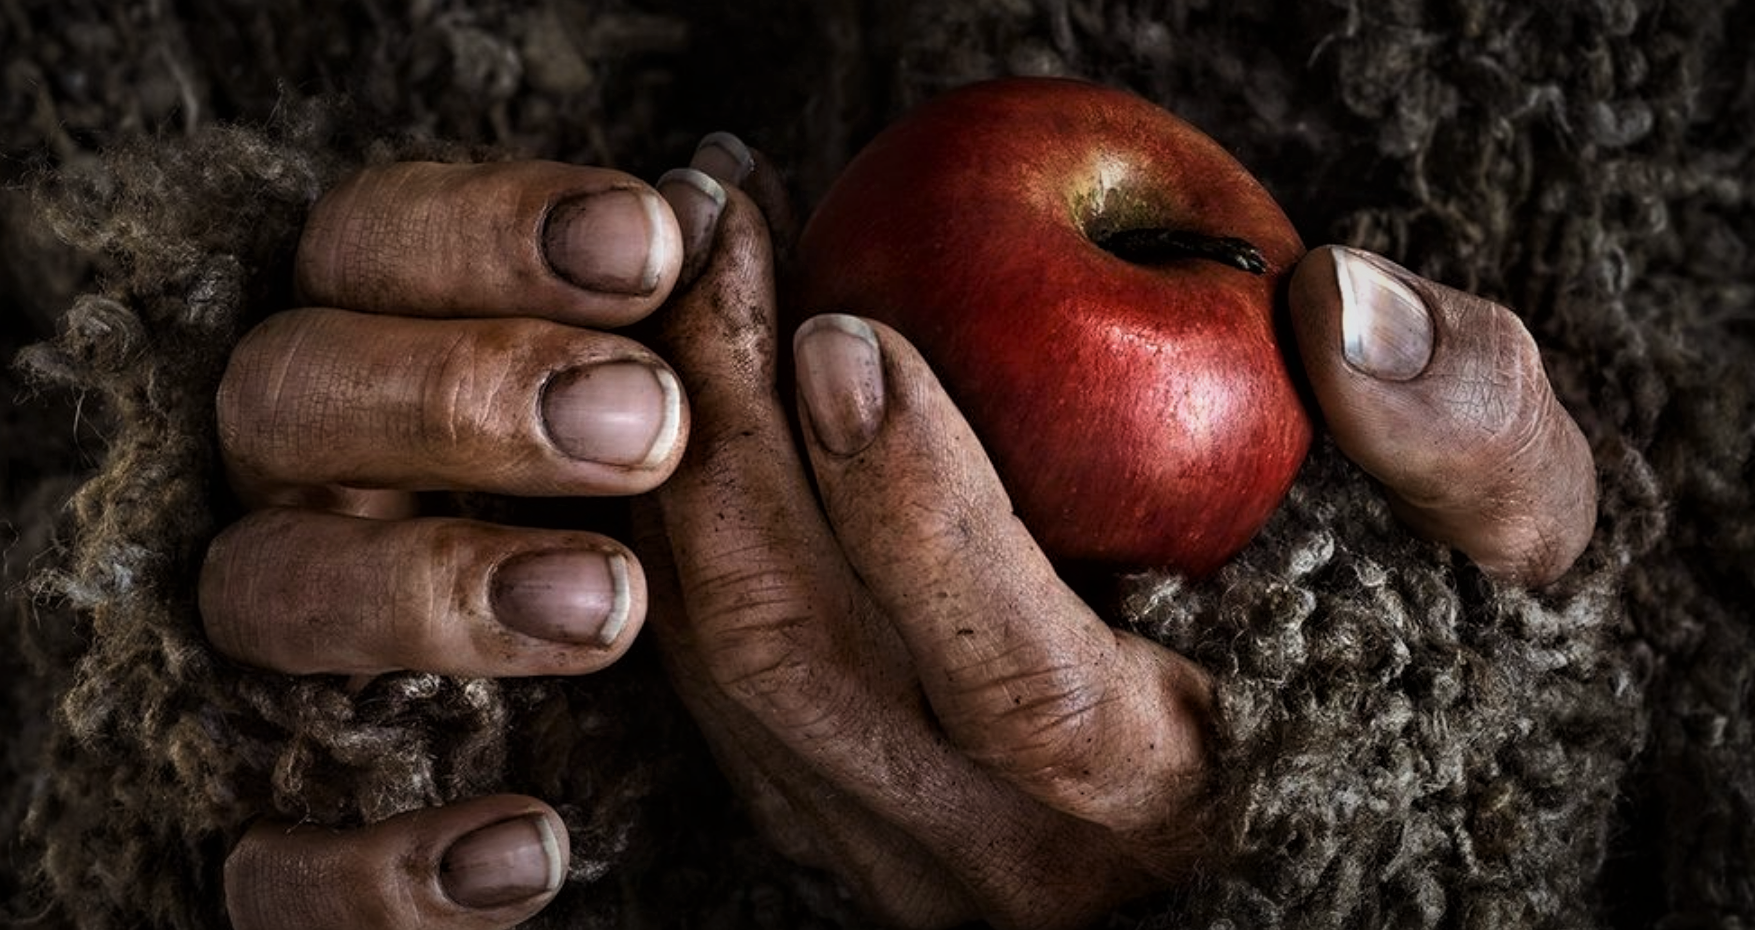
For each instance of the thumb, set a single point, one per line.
(1441, 396)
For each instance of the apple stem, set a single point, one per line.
(1152, 245)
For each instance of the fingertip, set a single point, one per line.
(1368, 334)
(1366, 306)
(1441, 395)
(523, 406)
(1310, 292)
(725, 157)
(572, 597)
(622, 242)
(719, 333)
(505, 863)
(697, 200)
(1015, 666)
(840, 381)
(908, 486)
(628, 414)
(865, 388)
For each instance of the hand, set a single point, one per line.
(895, 678)
(932, 714)
(452, 341)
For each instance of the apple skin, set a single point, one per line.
(1140, 416)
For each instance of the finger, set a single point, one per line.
(486, 863)
(586, 246)
(305, 593)
(753, 598)
(770, 617)
(698, 201)
(319, 397)
(1442, 397)
(728, 160)
(1022, 674)
(754, 558)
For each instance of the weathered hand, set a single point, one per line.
(893, 675)
(452, 341)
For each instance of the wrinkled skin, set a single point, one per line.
(892, 675)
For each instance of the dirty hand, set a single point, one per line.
(892, 674)
(452, 338)
(895, 678)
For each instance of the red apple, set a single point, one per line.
(1095, 282)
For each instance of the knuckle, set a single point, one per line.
(1499, 389)
(1492, 429)
(929, 537)
(754, 660)
(219, 571)
(759, 668)
(434, 553)
(762, 620)
(934, 510)
(1528, 483)
(282, 879)
(1036, 724)
(426, 583)
(349, 252)
(253, 389)
(288, 393)
(248, 568)
(1527, 416)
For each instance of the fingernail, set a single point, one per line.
(512, 861)
(610, 242)
(841, 375)
(724, 157)
(1386, 330)
(697, 200)
(580, 598)
(616, 413)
